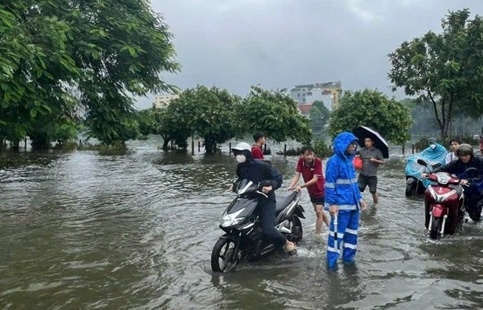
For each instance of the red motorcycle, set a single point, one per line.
(443, 203)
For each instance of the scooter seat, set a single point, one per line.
(283, 200)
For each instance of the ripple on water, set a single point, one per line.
(135, 231)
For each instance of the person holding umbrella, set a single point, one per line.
(374, 150)
(371, 159)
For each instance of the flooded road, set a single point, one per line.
(135, 231)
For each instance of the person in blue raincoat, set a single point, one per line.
(434, 154)
(342, 199)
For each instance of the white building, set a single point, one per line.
(162, 101)
(308, 93)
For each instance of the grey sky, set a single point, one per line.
(234, 44)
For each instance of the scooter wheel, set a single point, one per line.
(409, 190)
(435, 228)
(297, 230)
(224, 255)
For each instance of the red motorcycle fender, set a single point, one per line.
(438, 210)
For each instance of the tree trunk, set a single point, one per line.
(210, 145)
(40, 142)
(165, 143)
(15, 145)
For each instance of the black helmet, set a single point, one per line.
(464, 149)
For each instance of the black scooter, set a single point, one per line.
(243, 239)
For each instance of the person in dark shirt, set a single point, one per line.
(258, 171)
(371, 159)
(460, 168)
(257, 151)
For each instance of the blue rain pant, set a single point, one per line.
(348, 223)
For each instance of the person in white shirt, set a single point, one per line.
(453, 146)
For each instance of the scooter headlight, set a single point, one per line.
(443, 178)
(232, 219)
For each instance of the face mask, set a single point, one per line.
(432, 146)
(240, 158)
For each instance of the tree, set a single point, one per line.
(146, 121)
(373, 109)
(275, 113)
(444, 69)
(171, 125)
(56, 55)
(35, 69)
(319, 116)
(206, 113)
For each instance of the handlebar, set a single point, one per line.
(426, 176)
(262, 193)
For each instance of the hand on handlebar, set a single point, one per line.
(297, 189)
(464, 182)
(267, 189)
(262, 193)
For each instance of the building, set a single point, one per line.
(305, 109)
(308, 93)
(162, 101)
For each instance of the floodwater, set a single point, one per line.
(135, 231)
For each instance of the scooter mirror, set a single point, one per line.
(422, 162)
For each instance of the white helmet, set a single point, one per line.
(242, 146)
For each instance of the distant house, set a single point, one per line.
(163, 101)
(305, 109)
(303, 94)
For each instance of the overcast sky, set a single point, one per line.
(234, 44)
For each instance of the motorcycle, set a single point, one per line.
(243, 239)
(443, 202)
(415, 184)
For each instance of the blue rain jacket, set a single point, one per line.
(431, 156)
(341, 187)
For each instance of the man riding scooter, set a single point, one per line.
(473, 179)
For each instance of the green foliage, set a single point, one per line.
(444, 69)
(319, 117)
(211, 114)
(373, 109)
(171, 125)
(274, 113)
(206, 113)
(146, 120)
(322, 149)
(217, 116)
(56, 56)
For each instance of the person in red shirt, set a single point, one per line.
(257, 151)
(311, 169)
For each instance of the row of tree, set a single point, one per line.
(80, 62)
(216, 116)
